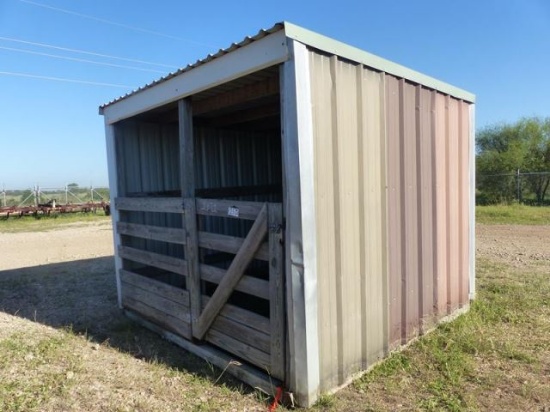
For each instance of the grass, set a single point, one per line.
(513, 214)
(494, 357)
(45, 223)
(46, 364)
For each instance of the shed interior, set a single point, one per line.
(237, 157)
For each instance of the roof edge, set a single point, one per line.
(329, 45)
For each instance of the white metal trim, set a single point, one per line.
(113, 190)
(255, 56)
(472, 159)
(301, 244)
(337, 48)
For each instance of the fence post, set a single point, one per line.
(518, 183)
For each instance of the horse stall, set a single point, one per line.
(292, 208)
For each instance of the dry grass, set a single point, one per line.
(64, 345)
(41, 223)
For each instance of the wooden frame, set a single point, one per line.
(256, 338)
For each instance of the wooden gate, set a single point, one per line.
(235, 283)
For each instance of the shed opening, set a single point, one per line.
(188, 202)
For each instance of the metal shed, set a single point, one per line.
(293, 203)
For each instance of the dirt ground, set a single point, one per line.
(511, 244)
(73, 242)
(515, 245)
(64, 278)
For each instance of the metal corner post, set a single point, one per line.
(472, 251)
(299, 202)
(112, 160)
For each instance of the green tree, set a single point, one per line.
(504, 149)
(537, 155)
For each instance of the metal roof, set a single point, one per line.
(234, 46)
(325, 44)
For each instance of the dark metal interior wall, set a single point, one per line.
(234, 158)
(148, 154)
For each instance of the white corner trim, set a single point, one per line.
(472, 225)
(113, 190)
(300, 209)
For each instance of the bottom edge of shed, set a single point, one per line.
(238, 368)
(399, 347)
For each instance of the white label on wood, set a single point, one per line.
(233, 211)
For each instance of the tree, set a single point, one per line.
(505, 149)
(537, 155)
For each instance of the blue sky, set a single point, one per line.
(51, 133)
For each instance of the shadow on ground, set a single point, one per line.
(81, 296)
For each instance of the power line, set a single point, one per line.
(51, 46)
(62, 79)
(76, 59)
(113, 23)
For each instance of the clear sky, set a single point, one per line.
(50, 130)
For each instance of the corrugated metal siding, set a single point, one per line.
(350, 210)
(148, 155)
(385, 272)
(231, 158)
(148, 160)
(440, 246)
(428, 152)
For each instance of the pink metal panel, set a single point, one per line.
(425, 139)
(440, 215)
(394, 176)
(409, 207)
(453, 218)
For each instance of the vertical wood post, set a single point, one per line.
(187, 180)
(276, 290)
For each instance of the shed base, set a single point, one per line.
(241, 370)
(400, 347)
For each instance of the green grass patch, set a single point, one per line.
(45, 223)
(513, 214)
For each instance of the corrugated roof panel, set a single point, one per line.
(234, 46)
(324, 44)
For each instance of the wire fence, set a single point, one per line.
(522, 187)
(69, 194)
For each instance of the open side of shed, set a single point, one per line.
(292, 203)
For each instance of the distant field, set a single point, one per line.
(513, 214)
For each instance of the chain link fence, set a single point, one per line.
(531, 188)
